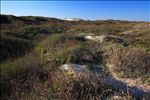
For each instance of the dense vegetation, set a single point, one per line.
(32, 48)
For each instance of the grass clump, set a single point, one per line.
(60, 49)
(13, 47)
(57, 49)
(131, 62)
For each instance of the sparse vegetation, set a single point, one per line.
(32, 49)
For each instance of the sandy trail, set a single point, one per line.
(134, 87)
(127, 85)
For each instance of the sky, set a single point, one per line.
(92, 10)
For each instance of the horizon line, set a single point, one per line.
(63, 18)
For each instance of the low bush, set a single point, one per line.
(63, 87)
(86, 86)
(132, 62)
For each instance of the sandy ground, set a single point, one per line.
(127, 85)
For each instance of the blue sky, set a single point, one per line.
(123, 10)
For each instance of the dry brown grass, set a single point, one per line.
(132, 62)
(61, 86)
